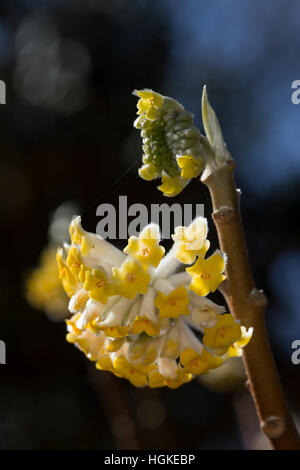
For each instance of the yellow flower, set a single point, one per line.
(74, 261)
(196, 363)
(117, 332)
(69, 281)
(191, 241)
(43, 287)
(236, 349)
(149, 103)
(135, 373)
(174, 304)
(225, 332)
(111, 319)
(141, 324)
(91, 345)
(143, 316)
(148, 172)
(158, 380)
(76, 232)
(190, 166)
(137, 324)
(171, 185)
(171, 349)
(146, 249)
(78, 301)
(86, 245)
(113, 344)
(98, 285)
(207, 274)
(80, 237)
(143, 350)
(105, 363)
(130, 279)
(187, 255)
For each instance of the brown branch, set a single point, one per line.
(247, 305)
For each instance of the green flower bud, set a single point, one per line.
(167, 131)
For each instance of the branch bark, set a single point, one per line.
(248, 304)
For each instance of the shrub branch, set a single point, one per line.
(248, 304)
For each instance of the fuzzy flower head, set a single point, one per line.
(134, 312)
(43, 287)
(173, 147)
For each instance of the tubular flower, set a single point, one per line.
(130, 279)
(179, 377)
(148, 172)
(171, 185)
(223, 334)
(146, 248)
(149, 103)
(174, 304)
(191, 241)
(189, 165)
(133, 312)
(173, 147)
(68, 280)
(97, 285)
(207, 274)
(236, 349)
(199, 363)
(43, 287)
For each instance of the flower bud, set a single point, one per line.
(213, 131)
(168, 132)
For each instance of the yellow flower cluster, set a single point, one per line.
(173, 147)
(43, 287)
(134, 312)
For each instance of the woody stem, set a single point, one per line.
(248, 305)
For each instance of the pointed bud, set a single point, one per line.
(213, 131)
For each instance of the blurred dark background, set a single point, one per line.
(66, 134)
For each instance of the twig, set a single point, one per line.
(248, 305)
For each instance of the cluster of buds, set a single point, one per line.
(173, 147)
(142, 314)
